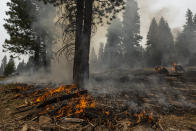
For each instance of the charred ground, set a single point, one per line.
(135, 100)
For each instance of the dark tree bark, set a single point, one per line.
(86, 38)
(79, 29)
(83, 37)
(44, 57)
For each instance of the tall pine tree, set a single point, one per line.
(18, 26)
(80, 14)
(160, 44)
(3, 64)
(21, 67)
(131, 33)
(165, 43)
(101, 54)
(152, 54)
(93, 60)
(10, 67)
(185, 44)
(26, 37)
(113, 48)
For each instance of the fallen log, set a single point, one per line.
(48, 102)
(61, 98)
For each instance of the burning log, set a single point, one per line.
(61, 98)
(25, 108)
(67, 101)
(161, 70)
(177, 68)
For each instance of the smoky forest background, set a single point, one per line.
(57, 35)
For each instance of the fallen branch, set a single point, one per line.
(61, 98)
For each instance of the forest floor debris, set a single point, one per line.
(47, 107)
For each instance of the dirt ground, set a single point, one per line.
(174, 119)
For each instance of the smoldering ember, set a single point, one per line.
(127, 65)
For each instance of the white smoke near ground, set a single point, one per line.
(60, 68)
(140, 89)
(60, 72)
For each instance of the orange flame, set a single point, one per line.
(173, 67)
(150, 117)
(61, 88)
(144, 115)
(75, 105)
(20, 88)
(107, 113)
(140, 116)
(73, 108)
(45, 111)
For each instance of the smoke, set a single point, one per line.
(141, 89)
(131, 85)
(176, 32)
(60, 70)
(153, 8)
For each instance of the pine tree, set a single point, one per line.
(192, 60)
(21, 67)
(160, 44)
(18, 26)
(25, 36)
(30, 64)
(93, 60)
(113, 48)
(80, 14)
(185, 44)
(3, 64)
(10, 67)
(189, 21)
(165, 43)
(101, 54)
(152, 55)
(194, 22)
(131, 33)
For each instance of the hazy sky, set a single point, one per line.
(173, 11)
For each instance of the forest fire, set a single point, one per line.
(76, 106)
(144, 115)
(161, 70)
(173, 68)
(62, 88)
(176, 68)
(69, 101)
(131, 67)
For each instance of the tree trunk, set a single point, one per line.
(79, 29)
(37, 54)
(82, 45)
(86, 38)
(44, 57)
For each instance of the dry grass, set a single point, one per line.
(7, 103)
